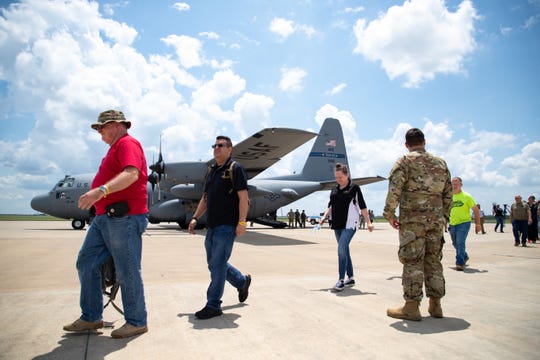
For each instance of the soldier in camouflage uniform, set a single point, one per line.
(419, 184)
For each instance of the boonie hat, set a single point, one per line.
(111, 115)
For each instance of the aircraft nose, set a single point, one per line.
(40, 203)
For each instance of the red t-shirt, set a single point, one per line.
(126, 151)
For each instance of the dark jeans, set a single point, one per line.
(520, 227)
(219, 243)
(500, 221)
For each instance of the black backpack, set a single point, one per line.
(108, 280)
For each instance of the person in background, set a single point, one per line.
(481, 219)
(362, 222)
(532, 232)
(419, 183)
(303, 218)
(520, 217)
(226, 205)
(290, 215)
(119, 196)
(460, 221)
(499, 217)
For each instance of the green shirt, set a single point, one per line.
(462, 204)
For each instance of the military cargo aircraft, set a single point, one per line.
(174, 189)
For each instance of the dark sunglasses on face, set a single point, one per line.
(220, 145)
(101, 127)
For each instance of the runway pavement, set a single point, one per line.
(491, 309)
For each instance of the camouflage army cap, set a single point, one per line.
(110, 115)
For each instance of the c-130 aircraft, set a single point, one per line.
(180, 184)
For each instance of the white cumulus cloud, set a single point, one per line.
(181, 6)
(419, 39)
(291, 79)
(285, 28)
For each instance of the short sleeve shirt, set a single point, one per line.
(126, 151)
(345, 204)
(222, 194)
(462, 204)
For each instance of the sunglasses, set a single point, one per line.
(220, 145)
(101, 127)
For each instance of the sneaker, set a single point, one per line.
(128, 330)
(524, 245)
(459, 267)
(81, 325)
(244, 292)
(339, 285)
(349, 282)
(208, 313)
(516, 244)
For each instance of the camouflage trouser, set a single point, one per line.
(420, 252)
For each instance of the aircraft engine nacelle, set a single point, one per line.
(186, 172)
(290, 193)
(167, 211)
(188, 191)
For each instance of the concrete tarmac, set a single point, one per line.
(491, 309)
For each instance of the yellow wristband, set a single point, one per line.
(242, 223)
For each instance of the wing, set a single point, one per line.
(268, 146)
(329, 185)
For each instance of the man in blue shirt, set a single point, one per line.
(225, 201)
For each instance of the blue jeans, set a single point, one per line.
(500, 221)
(344, 237)
(219, 243)
(121, 238)
(458, 234)
(520, 227)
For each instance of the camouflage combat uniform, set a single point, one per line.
(420, 184)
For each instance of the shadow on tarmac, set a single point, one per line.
(469, 270)
(345, 292)
(225, 321)
(430, 325)
(258, 239)
(77, 345)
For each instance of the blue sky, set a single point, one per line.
(465, 72)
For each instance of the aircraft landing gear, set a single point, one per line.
(77, 224)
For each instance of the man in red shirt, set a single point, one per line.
(119, 196)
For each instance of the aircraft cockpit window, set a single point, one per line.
(68, 182)
(59, 185)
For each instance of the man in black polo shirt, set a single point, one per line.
(225, 200)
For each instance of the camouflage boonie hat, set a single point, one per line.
(110, 115)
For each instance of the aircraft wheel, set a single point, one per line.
(77, 224)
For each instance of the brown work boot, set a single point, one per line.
(435, 308)
(409, 311)
(81, 325)
(128, 330)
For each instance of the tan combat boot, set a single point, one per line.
(435, 308)
(408, 312)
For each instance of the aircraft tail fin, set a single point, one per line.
(328, 149)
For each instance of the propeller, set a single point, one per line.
(159, 166)
(158, 169)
